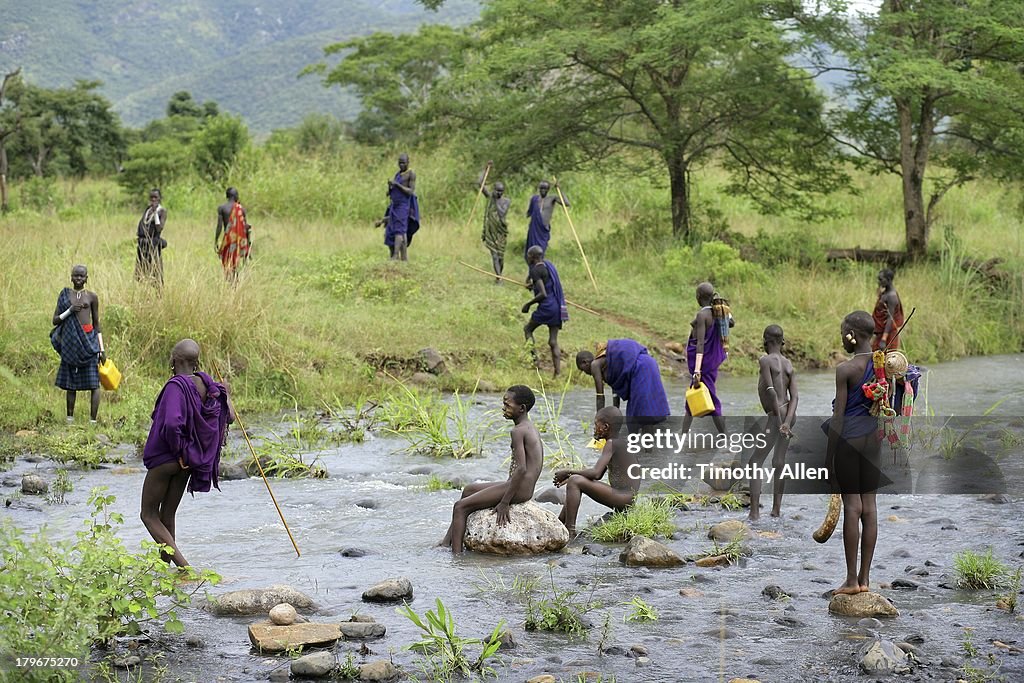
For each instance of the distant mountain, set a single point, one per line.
(244, 54)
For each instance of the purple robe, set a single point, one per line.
(185, 426)
(402, 215)
(635, 377)
(539, 233)
(714, 355)
(552, 311)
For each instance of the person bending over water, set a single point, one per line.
(523, 473)
(615, 459)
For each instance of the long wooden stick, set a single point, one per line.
(522, 284)
(238, 419)
(479, 193)
(586, 262)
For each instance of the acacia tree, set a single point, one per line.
(937, 97)
(675, 84)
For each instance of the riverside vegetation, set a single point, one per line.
(320, 313)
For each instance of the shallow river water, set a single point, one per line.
(727, 630)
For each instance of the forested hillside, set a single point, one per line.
(244, 55)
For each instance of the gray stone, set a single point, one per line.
(952, 662)
(882, 657)
(283, 614)
(33, 485)
(551, 495)
(597, 550)
(773, 592)
(638, 650)
(433, 361)
(362, 619)
(315, 665)
(531, 530)
(904, 584)
(616, 651)
(508, 641)
(423, 378)
(790, 622)
(643, 552)
(643, 661)
(997, 498)
(389, 590)
(195, 642)
(380, 670)
(423, 469)
(233, 471)
(901, 552)
(367, 503)
(253, 601)
(361, 630)
(127, 662)
(269, 637)
(729, 531)
(870, 624)
(355, 552)
(279, 675)
(914, 638)
(860, 605)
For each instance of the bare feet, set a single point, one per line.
(847, 589)
(865, 589)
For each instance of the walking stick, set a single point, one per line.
(479, 192)
(578, 243)
(238, 419)
(517, 282)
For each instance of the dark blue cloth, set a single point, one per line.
(402, 215)
(78, 349)
(857, 417)
(538, 234)
(552, 311)
(634, 376)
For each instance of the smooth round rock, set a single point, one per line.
(283, 614)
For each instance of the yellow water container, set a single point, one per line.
(110, 376)
(698, 400)
(596, 444)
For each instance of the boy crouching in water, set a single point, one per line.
(523, 473)
(615, 458)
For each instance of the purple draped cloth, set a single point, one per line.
(714, 355)
(402, 216)
(188, 427)
(634, 376)
(551, 311)
(539, 233)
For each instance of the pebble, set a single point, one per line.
(195, 642)
(367, 503)
(283, 614)
(33, 485)
(643, 661)
(905, 584)
(902, 552)
(690, 593)
(638, 650)
(615, 650)
(354, 552)
(773, 592)
(869, 623)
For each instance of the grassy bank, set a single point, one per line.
(320, 312)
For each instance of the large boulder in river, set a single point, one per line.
(269, 637)
(883, 657)
(256, 601)
(531, 530)
(862, 605)
(389, 590)
(643, 552)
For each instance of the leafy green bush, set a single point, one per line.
(60, 598)
(153, 164)
(719, 263)
(648, 517)
(218, 144)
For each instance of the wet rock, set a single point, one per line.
(362, 619)
(432, 360)
(421, 470)
(233, 471)
(423, 378)
(33, 485)
(807, 566)
(723, 633)
(283, 614)
(929, 563)
(354, 552)
(905, 584)
(902, 552)
(767, 661)
(950, 527)
(774, 592)
(253, 601)
(952, 662)
(909, 649)
(126, 662)
(703, 578)
(643, 661)
(690, 593)
(279, 676)
(543, 678)
(638, 650)
(918, 571)
(882, 657)
(941, 521)
(531, 530)
(597, 550)
(615, 651)
(643, 552)
(997, 498)
(508, 641)
(380, 670)
(744, 680)
(389, 590)
(729, 531)
(316, 665)
(789, 622)
(362, 630)
(195, 642)
(867, 604)
(268, 637)
(551, 495)
(914, 638)
(713, 561)
(367, 504)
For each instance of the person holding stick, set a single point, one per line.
(550, 300)
(402, 217)
(541, 207)
(189, 428)
(495, 232)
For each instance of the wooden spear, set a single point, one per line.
(523, 284)
(578, 243)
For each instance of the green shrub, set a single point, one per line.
(648, 517)
(61, 597)
(980, 571)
